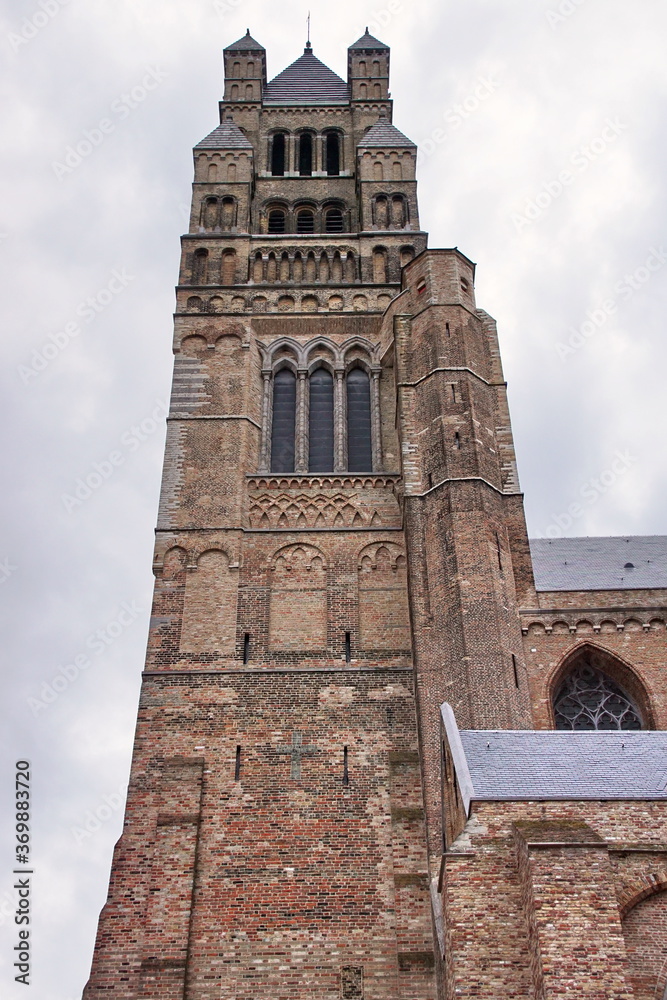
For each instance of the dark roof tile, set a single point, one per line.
(368, 42)
(307, 81)
(520, 766)
(225, 136)
(384, 135)
(636, 562)
(246, 43)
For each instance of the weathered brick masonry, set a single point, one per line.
(341, 548)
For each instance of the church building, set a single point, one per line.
(387, 747)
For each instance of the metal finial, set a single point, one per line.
(309, 27)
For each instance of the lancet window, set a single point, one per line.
(321, 414)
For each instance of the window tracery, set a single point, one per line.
(589, 700)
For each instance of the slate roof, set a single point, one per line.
(245, 43)
(600, 563)
(225, 136)
(368, 42)
(307, 81)
(520, 766)
(383, 135)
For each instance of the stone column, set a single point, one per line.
(302, 413)
(376, 421)
(340, 422)
(267, 421)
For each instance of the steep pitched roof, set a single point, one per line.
(384, 135)
(307, 81)
(520, 765)
(245, 43)
(368, 42)
(225, 136)
(636, 562)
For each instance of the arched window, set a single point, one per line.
(278, 155)
(398, 212)
(229, 267)
(376, 67)
(305, 154)
(249, 92)
(321, 424)
(588, 699)
(284, 420)
(210, 213)
(277, 221)
(228, 213)
(334, 221)
(235, 92)
(305, 220)
(382, 212)
(236, 70)
(359, 449)
(363, 69)
(332, 142)
(200, 267)
(380, 266)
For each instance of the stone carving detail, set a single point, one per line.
(306, 512)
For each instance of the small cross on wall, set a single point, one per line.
(297, 751)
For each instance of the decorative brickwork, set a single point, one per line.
(296, 825)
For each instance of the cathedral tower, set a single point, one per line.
(341, 548)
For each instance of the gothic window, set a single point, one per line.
(332, 148)
(305, 221)
(359, 450)
(277, 221)
(333, 221)
(278, 155)
(588, 699)
(326, 419)
(200, 268)
(321, 423)
(284, 418)
(305, 154)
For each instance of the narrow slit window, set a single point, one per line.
(284, 419)
(237, 767)
(457, 441)
(321, 444)
(346, 771)
(306, 155)
(516, 671)
(246, 647)
(359, 447)
(348, 647)
(278, 155)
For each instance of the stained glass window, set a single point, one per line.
(589, 700)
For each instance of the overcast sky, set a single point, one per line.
(542, 127)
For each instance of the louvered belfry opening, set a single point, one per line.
(359, 448)
(284, 422)
(321, 437)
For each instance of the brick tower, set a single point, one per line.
(341, 548)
